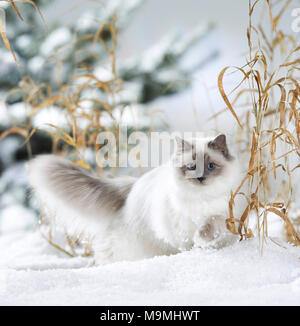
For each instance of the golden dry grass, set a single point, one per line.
(269, 125)
(70, 98)
(2, 26)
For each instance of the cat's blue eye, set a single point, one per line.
(211, 166)
(191, 167)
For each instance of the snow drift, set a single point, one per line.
(34, 273)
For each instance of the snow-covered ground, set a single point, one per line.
(34, 273)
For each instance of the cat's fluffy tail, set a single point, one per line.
(63, 185)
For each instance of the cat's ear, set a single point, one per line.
(219, 144)
(182, 145)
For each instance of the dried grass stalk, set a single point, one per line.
(272, 122)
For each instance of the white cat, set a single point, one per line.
(164, 212)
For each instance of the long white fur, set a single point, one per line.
(162, 215)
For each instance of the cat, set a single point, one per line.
(164, 212)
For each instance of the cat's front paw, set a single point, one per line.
(204, 236)
(213, 234)
(208, 232)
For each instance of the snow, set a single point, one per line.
(103, 74)
(34, 273)
(56, 39)
(4, 5)
(23, 41)
(35, 64)
(8, 146)
(16, 217)
(15, 111)
(50, 115)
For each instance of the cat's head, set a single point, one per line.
(203, 161)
